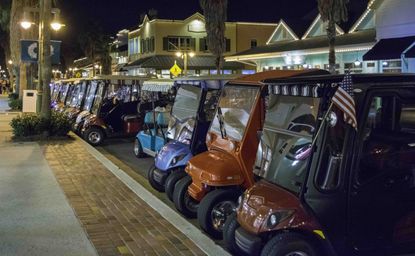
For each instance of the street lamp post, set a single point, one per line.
(44, 55)
(185, 55)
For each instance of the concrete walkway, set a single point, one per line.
(35, 217)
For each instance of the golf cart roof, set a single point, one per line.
(158, 85)
(122, 80)
(258, 78)
(308, 85)
(206, 82)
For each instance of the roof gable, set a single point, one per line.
(318, 28)
(282, 33)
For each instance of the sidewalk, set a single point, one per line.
(58, 199)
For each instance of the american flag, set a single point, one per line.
(343, 99)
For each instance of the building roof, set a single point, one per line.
(166, 61)
(391, 48)
(359, 37)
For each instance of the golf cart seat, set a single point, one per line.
(149, 123)
(163, 122)
(131, 117)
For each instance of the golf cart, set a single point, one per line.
(65, 91)
(327, 188)
(218, 176)
(159, 94)
(77, 100)
(114, 111)
(92, 88)
(191, 115)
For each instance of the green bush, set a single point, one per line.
(15, 104)
(32, 125)
(13, 96)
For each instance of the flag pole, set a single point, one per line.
(321, 125)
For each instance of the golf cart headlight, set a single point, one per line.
(277, 217)
(176, 159)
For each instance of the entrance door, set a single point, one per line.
(382, 204)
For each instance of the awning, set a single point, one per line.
(158, 85)
(167, 61)
(391, 48)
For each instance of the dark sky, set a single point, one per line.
(115, 15)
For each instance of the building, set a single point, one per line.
(119, 53)
(378, 40)
(157, 44)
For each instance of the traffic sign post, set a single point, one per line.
(175, 70)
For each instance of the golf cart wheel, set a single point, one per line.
(150, 175)
(184, 203)
(289, 244)
(229, 228)
(171, 181)
(94, 136)
(138, 149)
(215, 208)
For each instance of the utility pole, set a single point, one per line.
(46, 59)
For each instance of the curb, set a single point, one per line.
(195, 235)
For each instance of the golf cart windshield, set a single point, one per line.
(77, 100)
(90, 96)
(74, 96)
(286, 140)
(98, 98)
(234, 110)
(64, 92)
(184, 111)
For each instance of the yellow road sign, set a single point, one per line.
(175, 70)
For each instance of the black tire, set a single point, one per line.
(288, 244)
(214, 209)
(171, 181)
(229, 228)
(150, 176)
(94, 136)
(182, 200)
(138, 149)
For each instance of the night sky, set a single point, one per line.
(113, 16)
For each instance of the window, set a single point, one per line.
(353, 67)
(253, 43)
(370, 65)
(130, 46)
(142, 46)
(388, 143)
(392, 66)
(203, 47)
(178, 43)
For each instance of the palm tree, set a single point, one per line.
(5, 9)
(95, 46)
(215, 17)
(332, 12)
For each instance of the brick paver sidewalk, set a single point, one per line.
(116, 220)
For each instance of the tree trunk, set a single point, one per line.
(22, 78)
(46, 69)
(331, 34)
(217, 63)
(15, 36)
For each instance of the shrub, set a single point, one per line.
(32, 125)
(13, 96)
(15, 104)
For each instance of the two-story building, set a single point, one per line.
(119, 53)
(157, 44)
(380, 39)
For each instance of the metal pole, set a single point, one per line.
(185, 63)
(322, 124)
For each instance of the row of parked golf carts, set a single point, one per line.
(265, 161)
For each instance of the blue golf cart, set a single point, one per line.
(191, 115)
(159, 93)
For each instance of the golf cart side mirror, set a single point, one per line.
(332, 176)
(259, 135)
